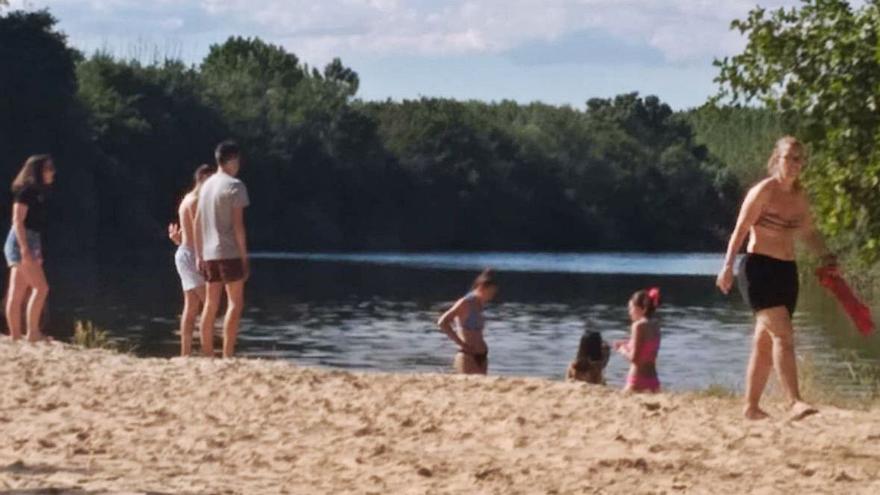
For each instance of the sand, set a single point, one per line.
(87, 422)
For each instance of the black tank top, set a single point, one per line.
(37, 214)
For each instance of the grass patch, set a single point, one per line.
(864, 374)
(717, 391)
(90, 336)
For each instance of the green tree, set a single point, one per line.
(741, 137)
(328, 171)
(152, 129)
(39, 113)
(818, 65)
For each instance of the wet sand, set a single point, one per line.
(88, 422)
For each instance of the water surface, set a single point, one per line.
(377, 311)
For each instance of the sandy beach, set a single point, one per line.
(88, 422)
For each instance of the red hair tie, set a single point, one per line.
(654, 296)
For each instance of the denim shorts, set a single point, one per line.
(12, 250)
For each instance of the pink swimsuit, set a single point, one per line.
(648, 355)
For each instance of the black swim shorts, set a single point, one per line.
(766, 282)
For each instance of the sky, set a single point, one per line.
(555, 51)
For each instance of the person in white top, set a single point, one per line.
(221, 246)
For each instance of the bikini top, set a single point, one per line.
(649, 351)
(473, 321)
(777, 222)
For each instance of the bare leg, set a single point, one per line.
(36, 279)
(192, 300)
(14, 300)
(467, 365)
(209, 314)
(234, 308)
(785, 362)
(758, 372)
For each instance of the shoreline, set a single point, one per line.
(93, 421)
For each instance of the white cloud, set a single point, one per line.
(682, 30)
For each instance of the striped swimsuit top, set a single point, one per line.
(777, 222)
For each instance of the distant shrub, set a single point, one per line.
(88, 335)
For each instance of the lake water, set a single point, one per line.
(377, 312)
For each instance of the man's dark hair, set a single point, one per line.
(226, 151)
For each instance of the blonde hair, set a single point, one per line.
(773, 162)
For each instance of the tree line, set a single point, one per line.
(328, 171)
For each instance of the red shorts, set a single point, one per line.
(226, 271)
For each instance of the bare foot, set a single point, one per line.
(40, 337)
(754, 413)
(800, 410)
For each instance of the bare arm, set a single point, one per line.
(174, 233)
(748, 215)
(446, 319)
(197, 235)
(240, 236)
(19, 213)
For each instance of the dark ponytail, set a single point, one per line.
(648, 300)
(485, 279)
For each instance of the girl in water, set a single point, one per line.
(24, 248)
(592, 357)
(644, 343)
(774, 213)
(191, 279)
(473, 354)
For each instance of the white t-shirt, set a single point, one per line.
(219, 196)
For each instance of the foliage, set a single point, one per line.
(327, 171)
(818, 66)
(559, 178)
(40, 113)
(89, 336)
(741, 137)
(151, 128)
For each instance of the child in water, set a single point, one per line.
(644, 343)
(592, 357)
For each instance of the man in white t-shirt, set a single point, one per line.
(221, 246)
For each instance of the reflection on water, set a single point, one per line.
(379, 315)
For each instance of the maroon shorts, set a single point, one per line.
(226, 271)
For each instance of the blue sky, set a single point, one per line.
(556, 51)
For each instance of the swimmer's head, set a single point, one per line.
(200, 176)
(485, 285)
(644, 303)
(590, 347)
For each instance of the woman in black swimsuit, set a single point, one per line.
(774, 214)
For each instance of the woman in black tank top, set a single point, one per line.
(24, 246)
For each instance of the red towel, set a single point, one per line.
(856, 309)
